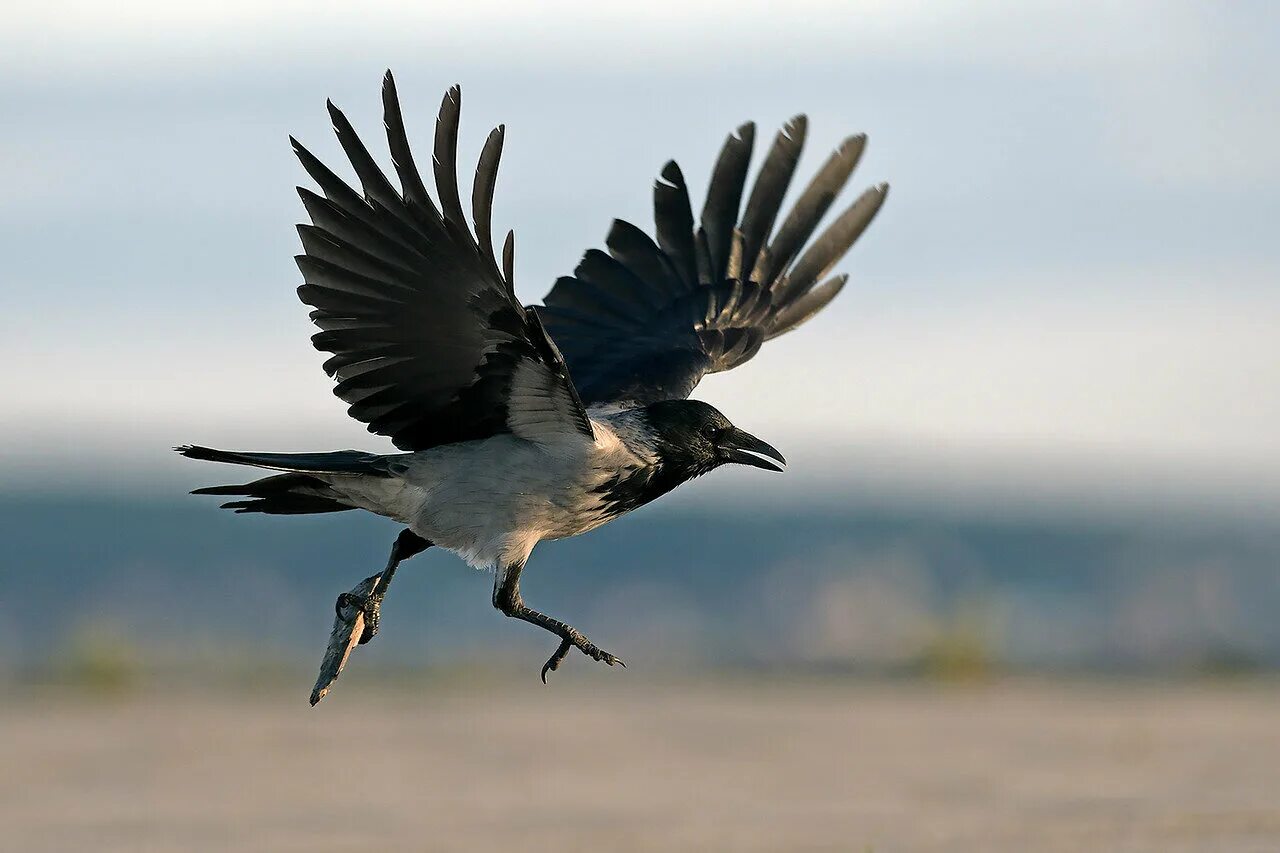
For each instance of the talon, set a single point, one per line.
(606, 657)
(596, 653)
(553, 662)
(587, 648)
(368, 606)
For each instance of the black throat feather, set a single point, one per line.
(633, 488)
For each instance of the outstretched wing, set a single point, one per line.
(429, 343)
(647, 320)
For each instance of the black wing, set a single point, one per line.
(429, 343)
(647, 320)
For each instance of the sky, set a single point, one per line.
(1073, 287)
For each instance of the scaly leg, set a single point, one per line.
(506, 597)
(406, 545)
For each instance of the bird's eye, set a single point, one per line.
(710, 432)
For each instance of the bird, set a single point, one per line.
(517, 424)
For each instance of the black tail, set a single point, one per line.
(298, 492)
(338, 462)
(282, 494)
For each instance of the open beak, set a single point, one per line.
(745, 449)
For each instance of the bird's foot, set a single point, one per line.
(577, 639)
(368, 605)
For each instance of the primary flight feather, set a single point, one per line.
(519, 424)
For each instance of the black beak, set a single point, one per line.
(745, 449)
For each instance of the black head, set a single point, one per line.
(695, 438)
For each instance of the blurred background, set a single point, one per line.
(1034, 439)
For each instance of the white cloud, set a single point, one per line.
(1150, 362)
(1199, 113)
(1144, 364)
(56, 37)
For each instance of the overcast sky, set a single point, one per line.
(1077, 262)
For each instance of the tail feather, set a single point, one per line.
(282, 494)
(298, 492)
(337, 462)
(287, 505)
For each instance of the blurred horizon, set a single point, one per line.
(146, 587)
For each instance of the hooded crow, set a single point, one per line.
(519, 424)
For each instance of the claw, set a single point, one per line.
(588, 649)
(369, 606)
(553, 662)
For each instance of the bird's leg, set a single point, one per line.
(506, 597)
(406, 545)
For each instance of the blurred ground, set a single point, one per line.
(605, 761)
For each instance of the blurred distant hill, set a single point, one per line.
(837, 585)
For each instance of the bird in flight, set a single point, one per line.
(523, 423)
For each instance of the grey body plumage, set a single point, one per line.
(523, 424)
